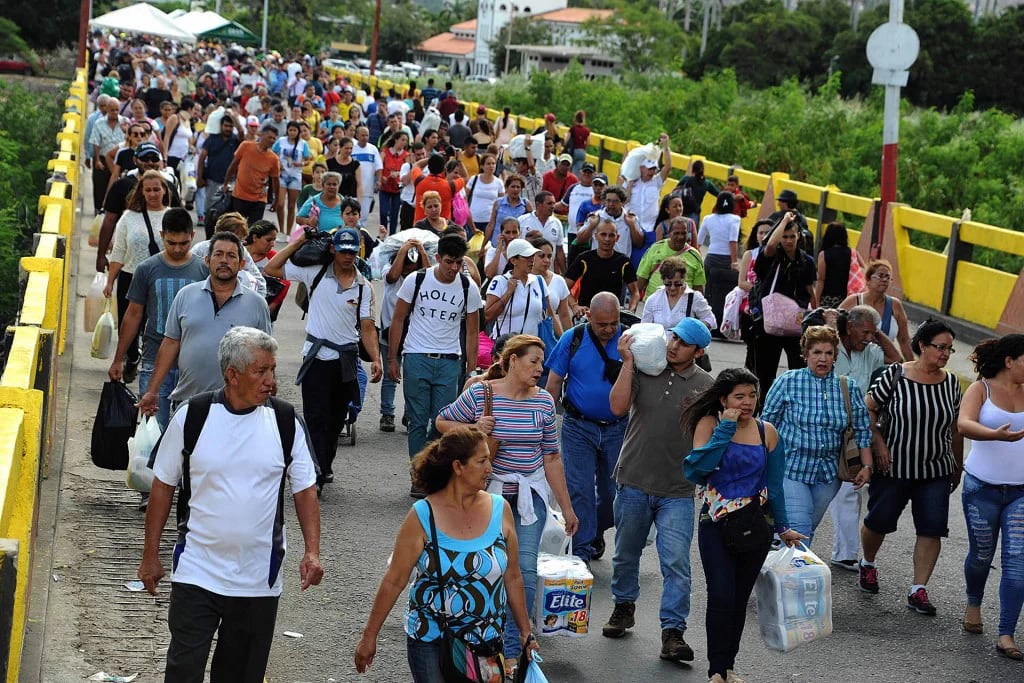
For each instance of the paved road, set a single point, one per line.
(88, 621)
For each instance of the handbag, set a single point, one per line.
(463, 662)
(315, 250)
(492, 443)
(856, 282)
(783, 317)
(850, 464)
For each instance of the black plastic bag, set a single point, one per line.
(220, 205)
(114, 425)
(315, 250)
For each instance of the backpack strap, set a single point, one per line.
(465, 316)
(689, 305)
(195, 418)
(577, 339)
(420, 277)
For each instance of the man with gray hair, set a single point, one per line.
(232, 452)
(862, 351)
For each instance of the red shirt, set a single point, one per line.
(557, 186)
(443, 186)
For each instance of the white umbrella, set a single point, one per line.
(143, 18)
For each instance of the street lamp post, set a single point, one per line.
(266, 12)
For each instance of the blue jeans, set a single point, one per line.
(529, 543)
(428, 385)
(163, 412)
(387, 385)
(635, 511)
(590, 452)
(390, 203)
(989, 510)
(424, 660)
(806, 504)
(355, 408)
(578, 157)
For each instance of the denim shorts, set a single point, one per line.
(291, 182)
(929, 505)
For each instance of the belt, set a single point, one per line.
(443, 356)
(574, 412)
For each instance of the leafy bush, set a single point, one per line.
(28, 124)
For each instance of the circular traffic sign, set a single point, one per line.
(893, 47)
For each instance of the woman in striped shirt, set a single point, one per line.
(919, 455)
(527, 468)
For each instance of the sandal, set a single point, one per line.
(1013, 652)
(975, 628)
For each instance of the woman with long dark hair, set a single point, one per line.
(835, 260)
(992, 416)
(737, 462)
(721, 232)
(747, 281)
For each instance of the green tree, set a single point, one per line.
(938, 77)
(998, 52)
(46, 24)
(642, 38)
(523, 31)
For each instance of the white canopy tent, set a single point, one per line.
(143, 18)
(197, 23)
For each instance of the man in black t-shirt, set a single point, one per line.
(602, 270)
(155, 96)
(215, 157)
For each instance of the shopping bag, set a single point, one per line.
(94, 231)
(649, 348)
(114, 425)
(140, 447)
(562, 603)
(315, 251)
(528, 670)
(103, 341)
(794, 598)
(553, 539)
(95, 302)
(729, 325)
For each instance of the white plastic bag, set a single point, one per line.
(794, 598)
(631, 166)
(213, 121)
(562, 604)
(187, 178)
(648, 347)
(431, 119)
(94, 302)
(103, 342)
(553, 539)
(730, 325)
(94, 231)
(517, 147)
(384, 253)
(140, 447)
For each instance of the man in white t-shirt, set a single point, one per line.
(542, 218)
(440, 305)
(227, 561)
(627, 227)
(645, 192)
(371, 164)
(575, 196)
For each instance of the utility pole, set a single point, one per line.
(704, 30)
(266, 13)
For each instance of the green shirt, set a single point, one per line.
(660, 251)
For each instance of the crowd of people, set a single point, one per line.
(502, 321)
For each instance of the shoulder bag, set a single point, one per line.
(783, 316)
(463, 662)
(153, 247)
(546, 327)
(492, 443)
(849, 455)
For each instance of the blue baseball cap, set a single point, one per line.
(347, 241)
(694, 332)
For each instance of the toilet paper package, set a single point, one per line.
(794, 598)
(564, 587)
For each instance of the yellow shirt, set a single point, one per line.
(316, 150)
(472, 164)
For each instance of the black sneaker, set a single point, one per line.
(387, 423)
(673, 646)
(599, 548)
(131, 371)
(919, 602)
(868, 579)
(848, 565)
(329, 478)
(144, 503)
(621, 619)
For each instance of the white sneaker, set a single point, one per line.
(731, 677)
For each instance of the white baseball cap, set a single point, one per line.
(520, 247)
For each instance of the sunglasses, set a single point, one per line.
(674, 284)
(150, 159)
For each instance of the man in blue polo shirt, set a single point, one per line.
(591, 433)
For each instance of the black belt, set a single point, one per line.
(573, 411)
(443, 356)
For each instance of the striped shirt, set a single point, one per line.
(921, 418)
(810, 416)
(525, 429)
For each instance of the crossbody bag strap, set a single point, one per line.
(435, 550)
(153, 248)
(845, 384)
(488, 399)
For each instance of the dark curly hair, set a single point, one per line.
(990, 356)
(432, 467)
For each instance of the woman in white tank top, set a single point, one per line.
(992, 416)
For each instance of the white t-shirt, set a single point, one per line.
(542, 166)
(575, 197)
(657, 309)
(717, 230)
(387, 306)
(332, 310)
(484, 196)
(435, 319)
(235, 473)
(644, 200)
(524, 310)
(558, 290)
(408, 193)
(370, 162)
(290, 154)
(551, 228)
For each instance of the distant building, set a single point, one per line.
(466, 49)
(553, 58)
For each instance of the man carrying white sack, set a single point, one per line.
(651, 487)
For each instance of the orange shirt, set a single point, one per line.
(254, 169)
(437, 184)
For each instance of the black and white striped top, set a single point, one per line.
(921, 419)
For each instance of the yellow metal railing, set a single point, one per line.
(27, 379)
(975, 293)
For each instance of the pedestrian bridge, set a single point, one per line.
(33, 392)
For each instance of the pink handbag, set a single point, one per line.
(783, 317)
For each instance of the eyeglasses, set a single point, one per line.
(674, 284)
(941, 348)
(881, 276)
